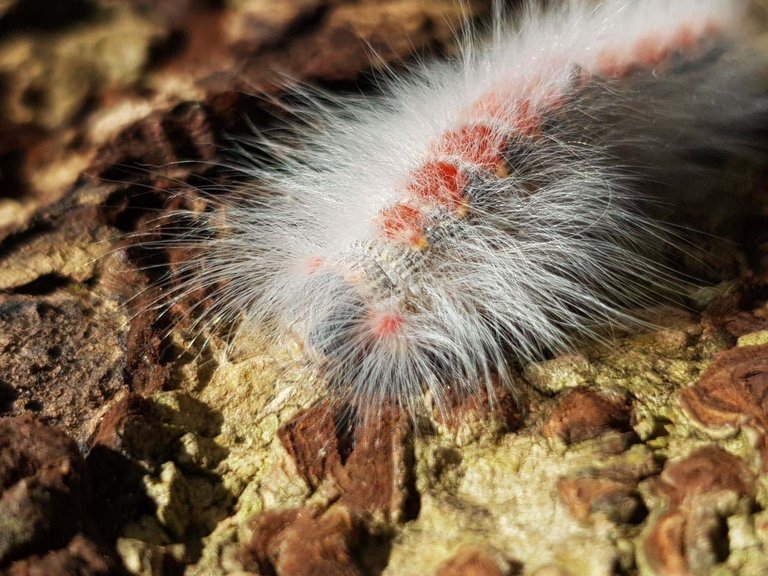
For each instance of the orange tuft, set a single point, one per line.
(478, 144)
(386, 324)
(520, 114)
(439, 182)
(404, 223)
(685, 39)
(611, 65)
(651, 52)
(314, 264)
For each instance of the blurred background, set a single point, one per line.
(88, 84)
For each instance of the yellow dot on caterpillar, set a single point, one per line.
(461, 211)
(502, 170)
(420, 243)
(314, 264)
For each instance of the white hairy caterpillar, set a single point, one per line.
(481, 211)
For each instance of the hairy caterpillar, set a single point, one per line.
(484, 210)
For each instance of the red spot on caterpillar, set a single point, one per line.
(651, 52)
(478, 144)
(612, 65)
(528, 119)
(712, 28)
(520, 115)
(386, 324)
(685, 39)
(439, 182)
(404, 223)
(314, 264)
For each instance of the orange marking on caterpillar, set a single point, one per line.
(314, 264)
(386, 324)
(685, 39)
(501, 170)
(478, 144)
(712, 27)
(403, 223)
(611, 65)
(652, 51)
(439, 182)
(520, 115)
(528, 119)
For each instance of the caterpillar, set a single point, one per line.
(480, 211)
